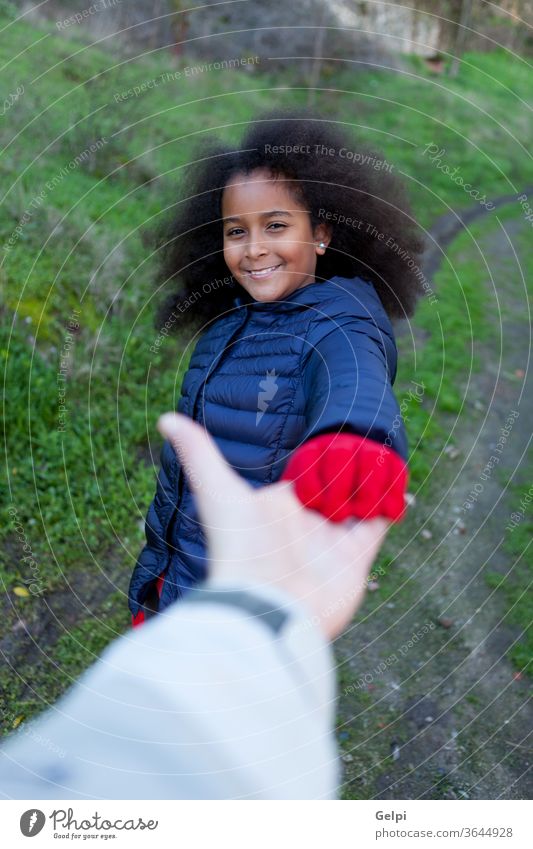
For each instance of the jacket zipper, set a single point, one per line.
(180, 480)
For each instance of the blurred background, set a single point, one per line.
(102, 107)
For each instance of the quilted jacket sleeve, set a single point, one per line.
(347, 381)
(155, 554)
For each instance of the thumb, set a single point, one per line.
(215, 485)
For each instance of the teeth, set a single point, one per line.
(263, 272)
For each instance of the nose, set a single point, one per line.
(255, 249)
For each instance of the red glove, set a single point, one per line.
(343, 474)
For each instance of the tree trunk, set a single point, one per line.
(460, 41)
(314, 75)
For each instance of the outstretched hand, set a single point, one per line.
(265, 535)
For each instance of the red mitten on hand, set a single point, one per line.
(343, 475)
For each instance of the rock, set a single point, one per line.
(347, 759)
(373, 586)
(426, 534)
(445, 622)
(452, 451)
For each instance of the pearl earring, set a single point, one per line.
(322, 245)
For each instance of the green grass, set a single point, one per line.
(516, 586)
(442, 365)
(39, 684)
(82, 495)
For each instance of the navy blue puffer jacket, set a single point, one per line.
(263, 379)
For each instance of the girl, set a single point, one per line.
(295, 250)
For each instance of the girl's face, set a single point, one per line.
(269, 245)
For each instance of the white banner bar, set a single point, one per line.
(269, 825)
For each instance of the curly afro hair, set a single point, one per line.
(341, 183)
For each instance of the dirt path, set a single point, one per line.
(430, 705)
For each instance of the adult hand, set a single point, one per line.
(265, 535)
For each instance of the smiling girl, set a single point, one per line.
(292, 373)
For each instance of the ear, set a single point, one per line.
(322, 234)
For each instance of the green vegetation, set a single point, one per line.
(516, 585)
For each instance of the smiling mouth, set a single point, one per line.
(263, 273)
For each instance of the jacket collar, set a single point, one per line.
(310, 295)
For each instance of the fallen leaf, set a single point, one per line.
(22, 592)
(18, 720)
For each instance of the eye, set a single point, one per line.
(277, 224)
(235, 230)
